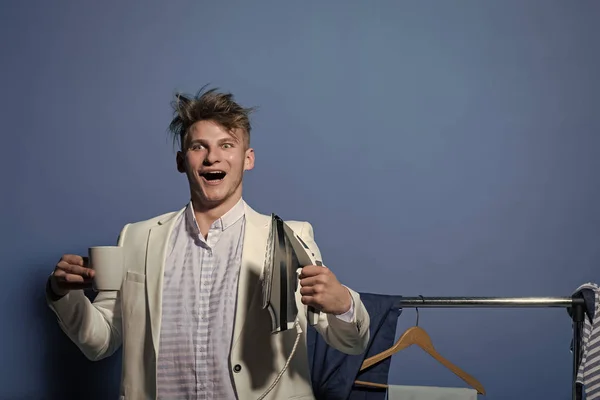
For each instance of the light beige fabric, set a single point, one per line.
(401, 392)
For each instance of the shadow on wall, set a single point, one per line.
(67, 373)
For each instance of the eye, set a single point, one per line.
(227, 145)
(196, 146)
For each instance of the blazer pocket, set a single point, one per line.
(135, 277)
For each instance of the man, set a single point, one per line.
(189, 313)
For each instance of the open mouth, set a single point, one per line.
(213, 176)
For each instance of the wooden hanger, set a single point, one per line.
(418, 336)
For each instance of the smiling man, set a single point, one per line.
(189, 315)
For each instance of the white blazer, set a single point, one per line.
(131, 317)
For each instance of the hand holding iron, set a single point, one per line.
(321, 290)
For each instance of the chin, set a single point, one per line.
(210, 197)
(213, 195)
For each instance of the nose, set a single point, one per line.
(212, 156)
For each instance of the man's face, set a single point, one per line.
(214, 161)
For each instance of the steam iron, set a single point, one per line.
(285, 253)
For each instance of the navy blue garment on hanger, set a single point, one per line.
(333, 373)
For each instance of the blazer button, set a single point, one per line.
(237, 368)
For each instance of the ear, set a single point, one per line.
(249, 159)
(180, 159)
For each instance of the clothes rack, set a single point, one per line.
(575, 304)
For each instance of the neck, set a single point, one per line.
(206, 214)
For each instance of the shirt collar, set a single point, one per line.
(225, 221)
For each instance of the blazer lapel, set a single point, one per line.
(256, 234)
(156, 252)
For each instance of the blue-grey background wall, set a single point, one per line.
(441, 148)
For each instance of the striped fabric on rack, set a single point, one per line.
(588, 373)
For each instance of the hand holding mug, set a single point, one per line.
(71, 273)
(103, 272)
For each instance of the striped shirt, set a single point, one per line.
(199, 291)
(588, 373)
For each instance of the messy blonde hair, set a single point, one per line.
(211, 105)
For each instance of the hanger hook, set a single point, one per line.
(417, 310)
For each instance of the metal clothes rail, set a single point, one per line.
(575, 304)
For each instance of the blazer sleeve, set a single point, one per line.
(95, 327)
(348, 337)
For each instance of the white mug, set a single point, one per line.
(107, 263)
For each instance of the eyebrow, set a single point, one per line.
(220, 141)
